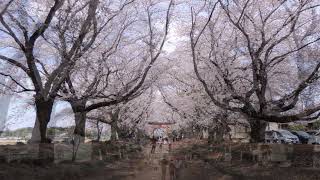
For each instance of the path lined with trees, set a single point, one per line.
(209, 67)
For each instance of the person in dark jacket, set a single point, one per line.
(153, 144)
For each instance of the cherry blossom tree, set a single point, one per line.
(243, 54)
(25, 37)
(119, 70)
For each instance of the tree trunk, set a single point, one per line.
(78, 107)
(36, 137)
(114, 124)
(258, 128)
(43, 111)
(211, 135)
(219, 135)
(114, 131)
(98, 131)
(80, 120)
(79, 117)
(215, 135)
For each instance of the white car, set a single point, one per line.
(314, 137)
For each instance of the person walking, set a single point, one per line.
(160, 143)
(153, 144)
(169, 145)
(172, 170)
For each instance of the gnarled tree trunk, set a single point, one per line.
(114, 115)
(258, 128)
(114, 131)
(98, 131)
(78, 108)
(43, 111)
(36, 138)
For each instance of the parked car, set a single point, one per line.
(303, 136)
(287, 137)
(271, 137)
(281, 136)
(314, 137)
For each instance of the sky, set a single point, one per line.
(21, 114)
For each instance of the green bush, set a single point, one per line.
(297, 127)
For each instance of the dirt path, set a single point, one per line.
(165, 165)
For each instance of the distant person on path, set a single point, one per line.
(169, 145)
(178, 166)
(164, 162)
(172, 170)
(174, 136)
(153, 144)
(161, 141)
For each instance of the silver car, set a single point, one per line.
(281, 136)
(287, 137)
